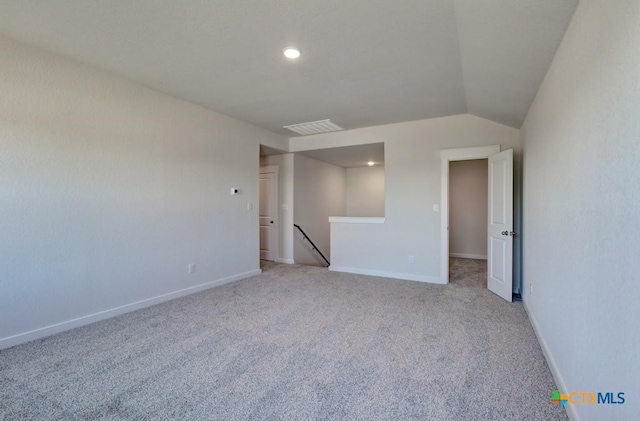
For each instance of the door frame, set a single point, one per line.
(267, 169)
(446, 156)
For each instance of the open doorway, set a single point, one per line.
(499, 215)
(346, 181)
(268, 212)
(275, 180)
(468, 197)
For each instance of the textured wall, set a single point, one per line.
(412, 186)
(468, 195)
(109, 190)
(581, 198)
(365, 191)
(319, 192)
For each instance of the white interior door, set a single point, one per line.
(268, 215)
(500, 235)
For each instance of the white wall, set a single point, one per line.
(365, 191)
(285, 203)
(109, 190)
(468, 193)
(412, 184)
(319, 192)
(581, 198)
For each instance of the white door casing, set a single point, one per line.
(499, 266)
(500, 225)
(268, 213)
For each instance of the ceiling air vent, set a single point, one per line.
(314, 127)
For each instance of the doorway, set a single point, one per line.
(468, 193)
(268, 212)
(499, 215)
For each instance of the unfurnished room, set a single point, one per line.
(319, 210)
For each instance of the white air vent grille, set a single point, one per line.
(314, 127)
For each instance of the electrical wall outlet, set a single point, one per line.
(530, 288)
(191, 268)
(411, 260)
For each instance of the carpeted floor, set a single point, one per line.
(468, 272)
(295, 343)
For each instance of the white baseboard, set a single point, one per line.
(571, 409)
(468, 256)
(287, 261)
(385, 274)
(106, 314)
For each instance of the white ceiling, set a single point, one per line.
(364, 62)
(349, 156)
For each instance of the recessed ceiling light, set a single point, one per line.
(371, 163)
(291, 52)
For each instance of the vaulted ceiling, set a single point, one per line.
(363, 63)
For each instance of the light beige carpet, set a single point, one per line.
(468, 272)
(295, 343)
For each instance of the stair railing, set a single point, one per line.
(306, 237)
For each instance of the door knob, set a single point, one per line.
(271, 222)
(505, 233)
